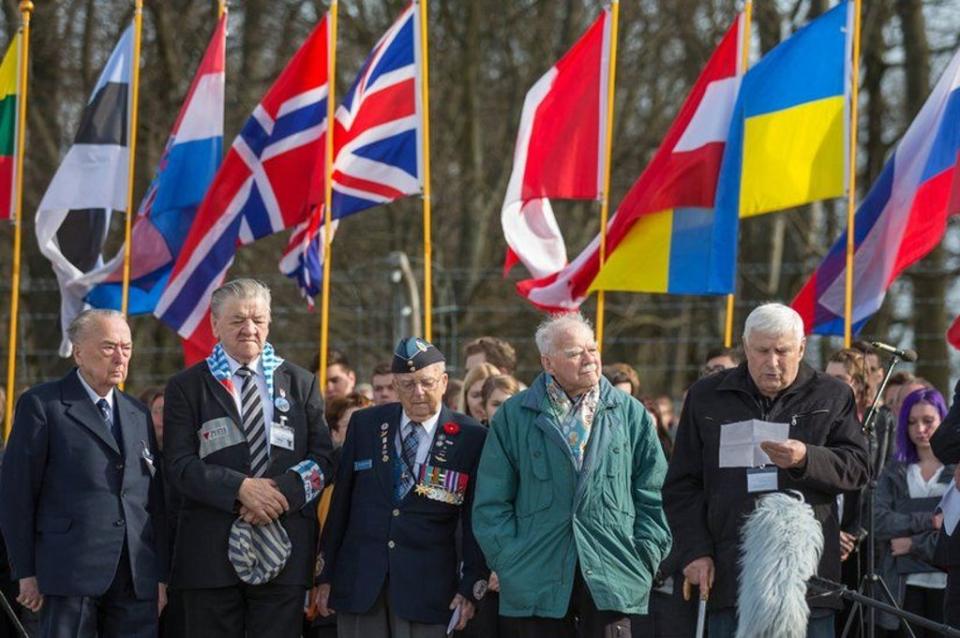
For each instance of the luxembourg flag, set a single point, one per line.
(665, 225)
(902, 218)
(187, 166)
(559, 151)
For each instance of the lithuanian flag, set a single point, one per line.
(8, 125)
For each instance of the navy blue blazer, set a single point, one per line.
(368, 538)
(69, 499)
(207, 458)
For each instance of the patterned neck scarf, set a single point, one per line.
(573, 418)
(220, 366)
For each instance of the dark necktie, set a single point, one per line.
(410, 444)
(107, 413)
(251, 411)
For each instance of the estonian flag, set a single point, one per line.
(74, 215)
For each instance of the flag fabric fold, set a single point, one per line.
(666, 220)
(270, 180)
(91, 182)
(902, 218)
(559, 151)
(186, 168)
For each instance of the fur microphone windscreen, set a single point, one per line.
(780, 549)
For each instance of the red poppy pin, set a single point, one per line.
(451, 428)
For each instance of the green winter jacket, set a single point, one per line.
(535, 516)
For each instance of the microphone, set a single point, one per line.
(906, 355)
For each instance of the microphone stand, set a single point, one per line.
(871, 579)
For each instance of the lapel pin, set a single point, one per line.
(282, 404)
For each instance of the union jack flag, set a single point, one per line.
(378, 142)
(271, 180)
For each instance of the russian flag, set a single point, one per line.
(902, 218)
(187, 166)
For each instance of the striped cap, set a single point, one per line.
(258, 552)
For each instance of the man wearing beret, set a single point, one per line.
(404, 484)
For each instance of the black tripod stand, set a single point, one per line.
(871, 581)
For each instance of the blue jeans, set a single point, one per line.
(723, 623)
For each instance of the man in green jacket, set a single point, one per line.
(567, 509)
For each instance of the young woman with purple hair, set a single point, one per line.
(907, 495)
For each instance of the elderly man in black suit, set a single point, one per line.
(81, 502)
(248, 450)
(404, 484)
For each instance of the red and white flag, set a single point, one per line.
(559, 151)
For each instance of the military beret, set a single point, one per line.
(412, 354)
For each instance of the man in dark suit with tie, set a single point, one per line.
(404, 484)
(248, 450)
(81, 503)
(945, 443)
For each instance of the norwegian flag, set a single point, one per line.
(377, 144)
(271, 180)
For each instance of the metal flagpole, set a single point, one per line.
(131, 164)
(26, 7)
(745, 64)
(852, 179)
(608, 152)
(328, 195)
(427, 213)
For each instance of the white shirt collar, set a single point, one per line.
(256, 365)
(93, 393)
(429, 425)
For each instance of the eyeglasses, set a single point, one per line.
(427, 383)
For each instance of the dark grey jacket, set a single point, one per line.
(707, 505)
(899, 516)
(946, 445)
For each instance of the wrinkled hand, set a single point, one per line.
(788, 454)
(700, 572)
(161, 597)
(848, 542)
(938, 520)
(466, 610)
(493, 583)
(900, 546)
(323, 598)
(30, 596)
(261, 501)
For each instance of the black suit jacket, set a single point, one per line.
(369, 538)
(208, 486)
(69, 499)
(946, 445)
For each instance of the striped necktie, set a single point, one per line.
(251, 411)
(410, 444)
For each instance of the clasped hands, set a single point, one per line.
(260, 501)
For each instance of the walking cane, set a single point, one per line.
(13, 616)
(701, 608)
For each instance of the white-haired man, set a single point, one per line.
(248, 450)
(824, 454)
(568, 510)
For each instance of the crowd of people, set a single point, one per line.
(242, 499)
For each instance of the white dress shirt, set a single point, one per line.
(426, 442)
(93, 393)
(265, 399)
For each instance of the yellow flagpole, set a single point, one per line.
(427, 213)
(26, 7)
(608, 153)
(131, 164)
(328, 195)
(852, 179)
(744, 63)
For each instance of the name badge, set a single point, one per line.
(281, 435)
(363, 464)
(762, 479)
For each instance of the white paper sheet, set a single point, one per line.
(950, 505)
(740, 442)
(454, 620)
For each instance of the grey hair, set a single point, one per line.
(239, 289)
(78, 328)
(547, 331)
(774, 319)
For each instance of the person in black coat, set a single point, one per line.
(945, 443)
(81, 501)
(825, 454)
(248, 451)
(405, 482)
